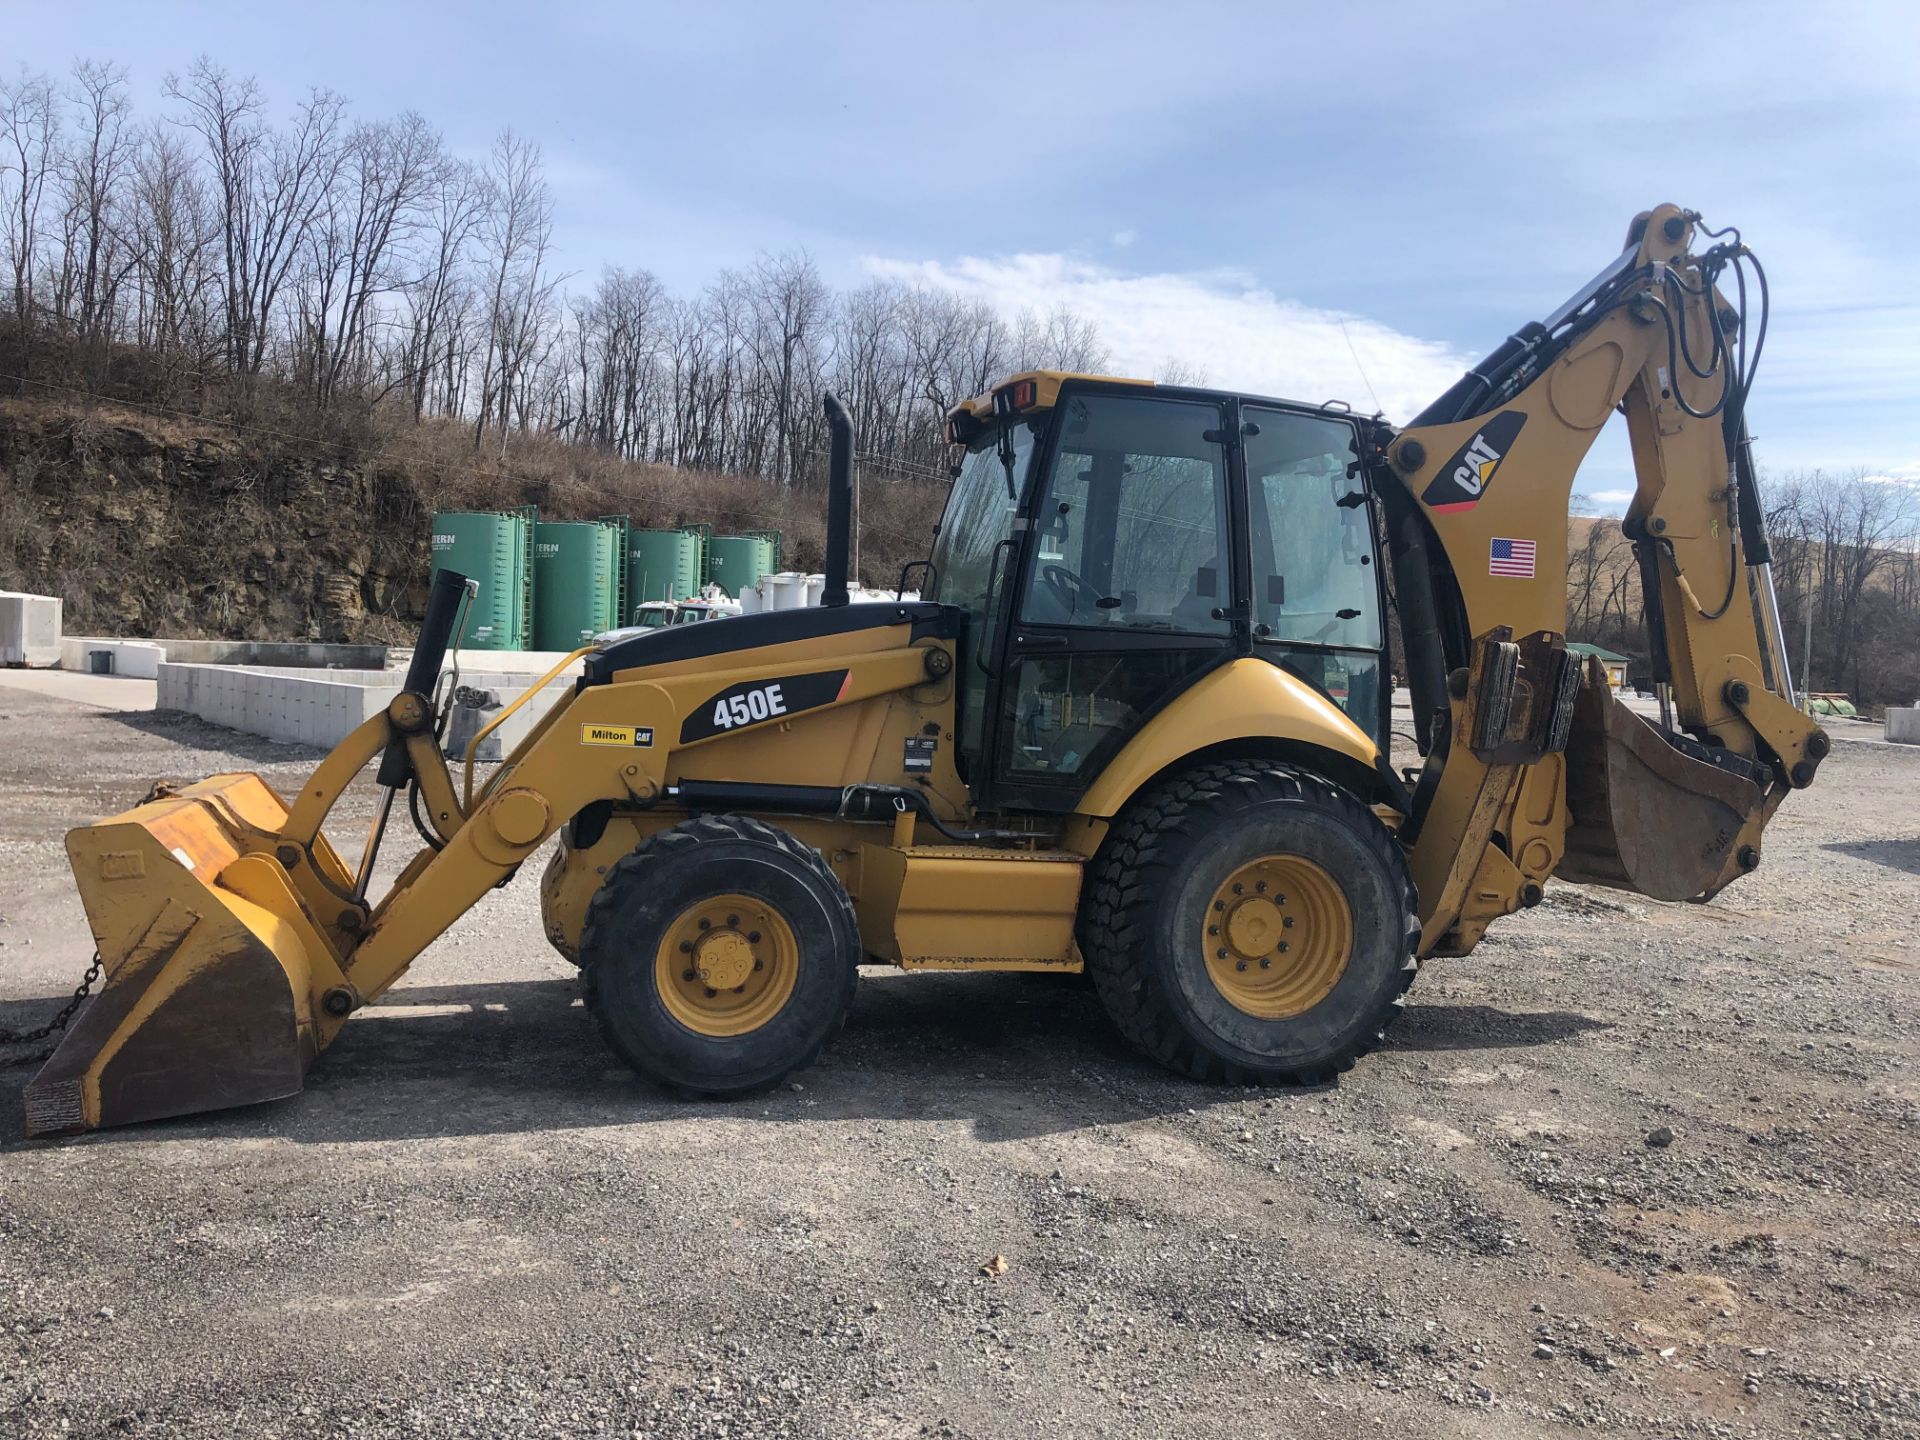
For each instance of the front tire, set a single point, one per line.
(1250, 923)
(720, 955)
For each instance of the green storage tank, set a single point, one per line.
(494, 547)
(663, 565)
(735, 562)
(576, 581)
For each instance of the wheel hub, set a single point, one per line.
(726, 965)
(1278, 934)
(723, 959)
(1253, 926)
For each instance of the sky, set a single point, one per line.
(1317, 201)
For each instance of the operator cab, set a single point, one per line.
(1110, 541)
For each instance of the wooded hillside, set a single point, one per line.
(356, 262)
(1846, 547)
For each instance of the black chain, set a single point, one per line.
(58, 1022)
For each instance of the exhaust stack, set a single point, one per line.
(839, 500)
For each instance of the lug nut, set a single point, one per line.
(686, 975)
(753, 937)
(705, 924)
(1238, 887)
(686, 947)
(1266, 962)
(733, 919)
(1213, 929)
(1286, 922)
(1220, 905)
(740, 989)
(1283, 947)
(711, 992)
(1260, 887)
(1239, 964)
(759, 964)
(1220, 954)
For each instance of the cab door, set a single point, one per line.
(1317, 596)
(1125, 589)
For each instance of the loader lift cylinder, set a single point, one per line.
(436, 634)
(423, 673)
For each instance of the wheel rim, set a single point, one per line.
(726, 965)
(1278, 935)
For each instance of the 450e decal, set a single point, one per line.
(753, 702)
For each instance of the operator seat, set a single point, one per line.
(1194, 610)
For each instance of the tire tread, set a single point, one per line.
(1128, 880)
(689, 835)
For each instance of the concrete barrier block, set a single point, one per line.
(1903, 725)
(29, 629)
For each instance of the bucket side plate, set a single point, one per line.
(207, 1001)
(1651, 813)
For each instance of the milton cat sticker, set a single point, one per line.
(1464, 479)
(754, 701)
(620, 735)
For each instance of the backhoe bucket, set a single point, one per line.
(208, 957)
(1652, 811)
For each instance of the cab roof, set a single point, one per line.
(1030, 391)
(1046, 390)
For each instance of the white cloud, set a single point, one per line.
(1124, 238)
(1220, 323)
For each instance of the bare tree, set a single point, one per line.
(440, 294)
(173, 242)
(516, 234)
(789, 304)
(29, 133)
(391, 171)
(95, 255)
(272, 187)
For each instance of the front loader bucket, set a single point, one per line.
(1652, 811)
(208, 959)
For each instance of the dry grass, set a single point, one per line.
(573, 482)
(436, 462)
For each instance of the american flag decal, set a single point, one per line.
(1511, 557)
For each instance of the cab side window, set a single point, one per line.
(1133, 520)
(1313, 573)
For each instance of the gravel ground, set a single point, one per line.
(1642, 1167)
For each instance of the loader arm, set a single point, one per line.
(236, 942)
(1533, 768)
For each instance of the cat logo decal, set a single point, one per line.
(1464, 479)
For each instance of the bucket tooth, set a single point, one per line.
(1652, 811)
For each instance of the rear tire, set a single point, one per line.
(720, 955)
(1290, 982)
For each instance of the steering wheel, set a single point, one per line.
(1069, 587)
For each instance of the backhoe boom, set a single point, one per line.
(1483, 479)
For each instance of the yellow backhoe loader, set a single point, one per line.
(1138, 725)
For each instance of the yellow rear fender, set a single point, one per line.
(1247, 707)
